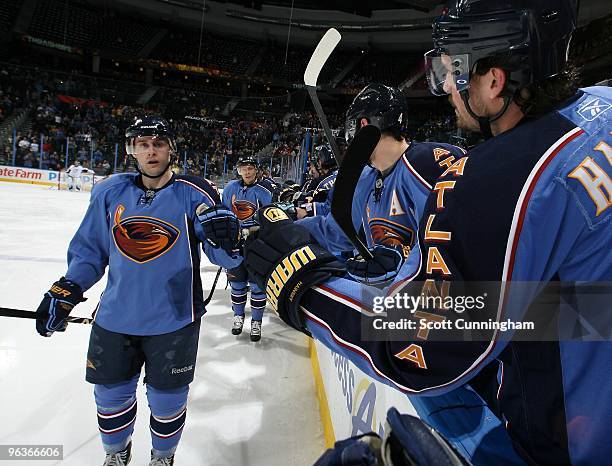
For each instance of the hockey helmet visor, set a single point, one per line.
(142, 144)
(445, 72)
(149, 132)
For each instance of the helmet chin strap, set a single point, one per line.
(483, 121)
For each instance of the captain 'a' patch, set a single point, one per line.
(396, 206)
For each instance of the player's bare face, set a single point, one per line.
(248, 173)
(152, 154)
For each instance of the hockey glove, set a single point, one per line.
(360, 450)
(407, 441)
(221, 226)
(55, 307)
(320, 195)
(285, 260)
(285, 195)
(288, 208)
(383, 267)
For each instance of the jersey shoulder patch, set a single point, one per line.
(591, 109)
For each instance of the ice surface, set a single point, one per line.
(250, 404)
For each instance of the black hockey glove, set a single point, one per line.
(221, 226)
(285, 260)
(55, 307)
(320, 195)
(407, 441)
(285, 195)
(383, 267)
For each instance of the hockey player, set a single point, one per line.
(391, 192)
(244, 197)
(145, 229)
(267, 182)
(313, 198)
(528, 206)
(387, 206)
(74, 173)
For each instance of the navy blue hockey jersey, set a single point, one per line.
(388, 207)
(531, 205)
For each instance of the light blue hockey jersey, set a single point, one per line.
(245, 200)
(387, 208)
(149, 239)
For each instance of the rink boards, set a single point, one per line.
(351, 402)
(51, 178)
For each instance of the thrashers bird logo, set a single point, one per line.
(243, 209)
(391, 234)
(142, 239)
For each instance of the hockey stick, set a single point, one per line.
(214, 285)
(21, 314)
(358, 152)
(356, 158)
(319, 57)
(8, 312)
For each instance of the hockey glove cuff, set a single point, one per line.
(56, 306)
(221, 226)
(383, 267)
(285, 260)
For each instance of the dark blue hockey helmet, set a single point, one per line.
(535, 33)
(247, 160)
(383, 106)
(149, 125)
(323, 157)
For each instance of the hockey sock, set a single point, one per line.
(116, 413)
(258, 302)
(168, 414)
(239, 297)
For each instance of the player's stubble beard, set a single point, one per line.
(464, 119)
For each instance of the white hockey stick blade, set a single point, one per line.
(324, 49)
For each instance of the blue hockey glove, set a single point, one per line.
(285, 260)
(56, 305)
(408, 441)
(361, 450)
(383, 267)
(221, 226)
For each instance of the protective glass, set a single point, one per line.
(246, 169)
(445, 71)
(350, 128)
(145, 144)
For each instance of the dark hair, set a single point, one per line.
(535, 98)
(397, 133)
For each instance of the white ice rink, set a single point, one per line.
(250, 404)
